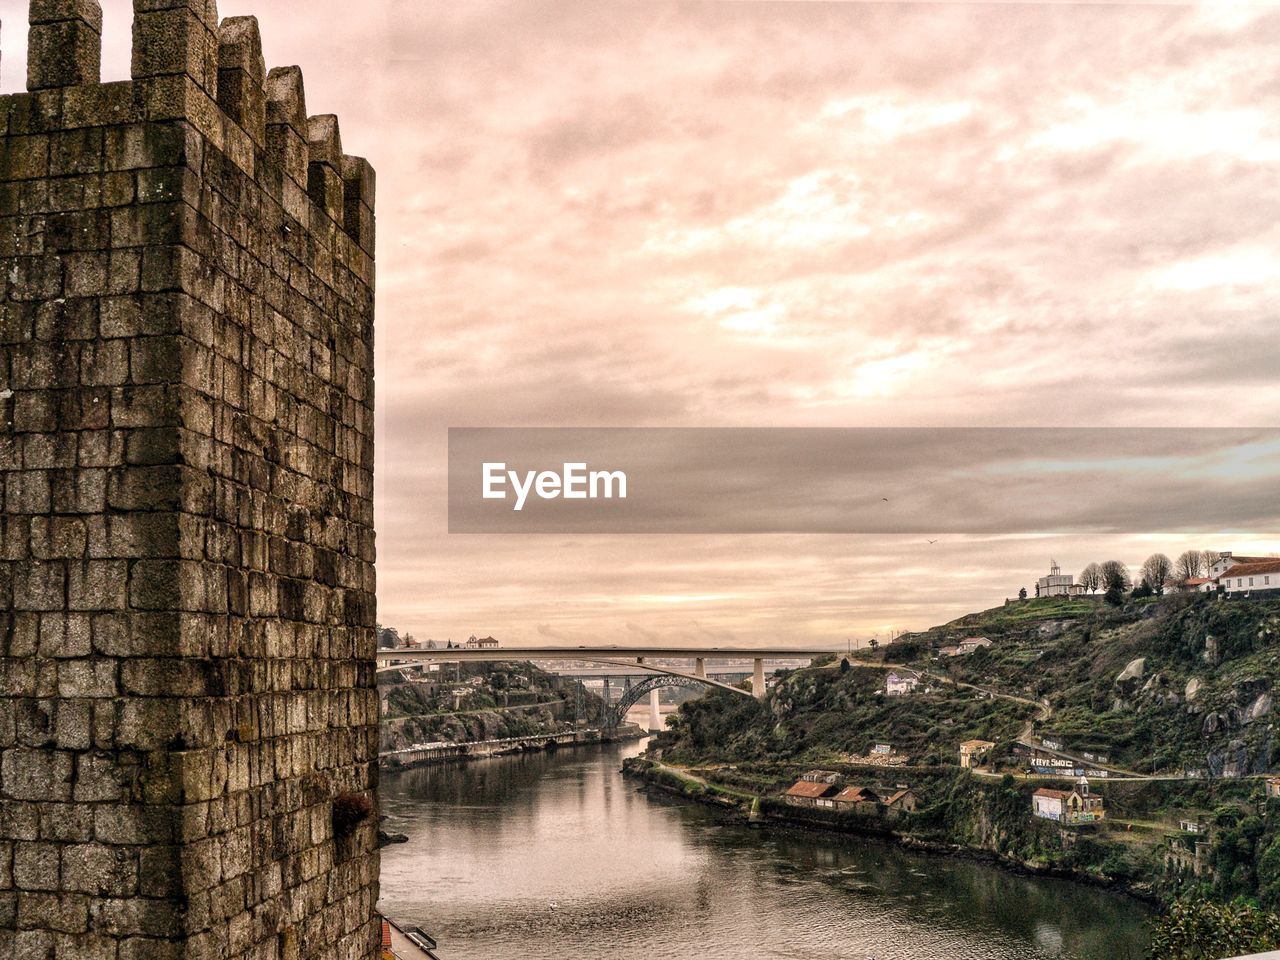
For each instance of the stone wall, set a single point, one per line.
(188, 716)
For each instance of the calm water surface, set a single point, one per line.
(556, 856)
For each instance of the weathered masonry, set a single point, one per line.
(188, 718)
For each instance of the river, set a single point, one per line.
(557, 857)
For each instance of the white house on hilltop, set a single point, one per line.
(1253, 576)
(1226, 560)
(1058, 584)
(1231, 574)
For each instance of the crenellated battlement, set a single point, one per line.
(186, 64)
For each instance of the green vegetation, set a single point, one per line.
(1174, 686)
(478, 701)
(1202, 930)
(827, 715)
(1070, 652)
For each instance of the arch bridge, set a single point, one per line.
(631, 658)
(632, 693)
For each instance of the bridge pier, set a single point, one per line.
(757, 677)
(655, 713)
(700, 666)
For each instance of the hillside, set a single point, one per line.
(477, 701)
(1177, 691)
(1170, 684)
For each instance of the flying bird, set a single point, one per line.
(933, 541)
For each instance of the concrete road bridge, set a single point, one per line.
(632, 662)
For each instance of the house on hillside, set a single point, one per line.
(1251, 577)
(970, 644)
(822, 776)
(900, 801)
(857, 800)
(1273, 787)
(1068, 806)
(807, 793)
(482, 643)
(951, 650)
(1226, 560)
(1195, 585)
(971, 750)
(900, 684)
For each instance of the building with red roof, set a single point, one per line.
(809, 793)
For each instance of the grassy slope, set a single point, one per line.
(1068, 652)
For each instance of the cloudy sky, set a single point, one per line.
(788, 214)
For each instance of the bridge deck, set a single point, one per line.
(462, 654)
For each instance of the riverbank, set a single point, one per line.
(755, 809)
(464, 752)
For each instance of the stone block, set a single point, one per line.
(66, 823)
(87, 678)
(36, 775)
(100, 869)
(60, 912)
(40, 585)
(175, 41)
(97, 585)
(64, 44)
(64, 636)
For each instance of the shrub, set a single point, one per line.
(1201, 930)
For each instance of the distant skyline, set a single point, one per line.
(787, 214)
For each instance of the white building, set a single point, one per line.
(1068, 806)
(1251, 577)
(1226, 560)
(899, 684)
(1058, 584)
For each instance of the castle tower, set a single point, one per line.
(188, 717)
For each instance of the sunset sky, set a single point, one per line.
(604, 213)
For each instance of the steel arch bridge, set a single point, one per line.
(615, 713)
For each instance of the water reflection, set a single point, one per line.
(556, 856)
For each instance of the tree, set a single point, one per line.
(1157, 571)
(1091, 578)
(1200, 929)
(1022, 594)
(1190, 565)
(873, 643)
(1115, 575)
